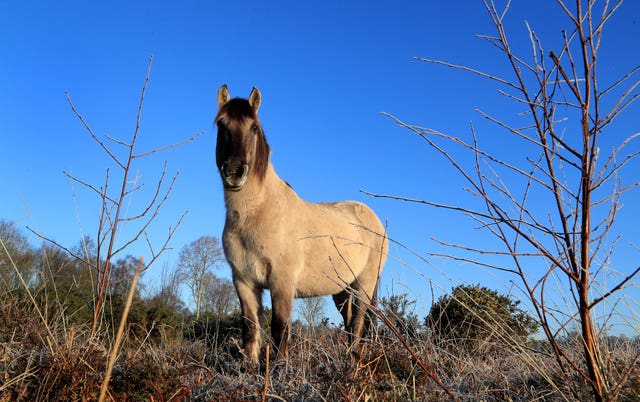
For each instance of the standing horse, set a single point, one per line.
(274, 240)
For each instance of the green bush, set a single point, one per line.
(476, 317)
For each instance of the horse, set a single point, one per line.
(273, 239)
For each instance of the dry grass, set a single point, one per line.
(322, 367)
(47, 356)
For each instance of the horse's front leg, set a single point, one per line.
(251, 304)
(281, 302)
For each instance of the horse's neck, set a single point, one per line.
(257, 195)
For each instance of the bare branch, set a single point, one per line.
(60, 246)
(144, 227)
(571, 83)
(424, 132)
(100, 191)
(193, 137)
(615, 288)
(153, 199)
(474, 262)
(96, 139)
(165, 245)
(611, 160)
(620, 106)
(117, 141)
(620, 81)
(139, 114)
(433, 204)
(470, 70)
(519, 133)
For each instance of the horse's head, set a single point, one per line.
(241, 150)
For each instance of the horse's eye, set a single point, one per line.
(223, 131)
(255, 128)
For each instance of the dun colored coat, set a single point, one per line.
(274, 240)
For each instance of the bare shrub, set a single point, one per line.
(552, 201)
(123, 154)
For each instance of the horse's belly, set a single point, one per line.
(315, 285)
(328, 273)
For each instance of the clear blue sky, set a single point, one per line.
(325, 69)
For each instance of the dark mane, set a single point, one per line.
(262, 155)
(239, 110)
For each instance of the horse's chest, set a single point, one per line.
(248, 255)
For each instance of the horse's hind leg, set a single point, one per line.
(365, 288)
(250, 303)
(343, 303)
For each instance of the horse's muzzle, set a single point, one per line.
(234, 175)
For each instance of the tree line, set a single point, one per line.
(470, 314)
(66, 284)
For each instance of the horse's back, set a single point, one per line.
(352, 219)
(362, 214)
(341, 242)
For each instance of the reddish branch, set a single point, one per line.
(111, 214)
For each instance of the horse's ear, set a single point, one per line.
(255, 98)
(223, 95)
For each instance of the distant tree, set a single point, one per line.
(219, 296)
(196, 259)
(220, 316)
(474, 316)
(169, 291)
(122, 272)
(311, 311)
(51, 262)
(67, 281)
(15, 250)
